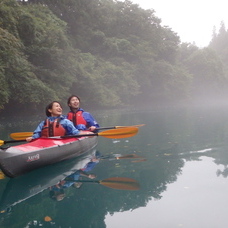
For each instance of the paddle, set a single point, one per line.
(112, 134)
(21, 135)
(123, 183)
(116, 127)
(24, 135)
(11, 141)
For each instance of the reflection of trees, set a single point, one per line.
(195, 136)
(95, 201)
(223, 172)
(220, 156)
(88, 205)
(167, 143)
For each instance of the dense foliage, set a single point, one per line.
(109, 52)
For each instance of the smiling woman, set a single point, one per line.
(54, 109)
(82, 120)
(55, 124)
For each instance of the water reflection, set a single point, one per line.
(58, 177)
(22, 188)
(180, 160)
(57, 191)
(184, 187)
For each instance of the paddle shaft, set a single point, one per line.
(75, 136)
(114, 182)
(24, 140)
(116, 127)
(12, 141)
(20, 135)
(115, 133)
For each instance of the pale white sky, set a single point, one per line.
(192, 20)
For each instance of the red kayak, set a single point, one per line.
(20, 159)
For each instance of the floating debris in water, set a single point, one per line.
(47, 219)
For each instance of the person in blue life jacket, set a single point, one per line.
(82, 120)
(55, 124)
(57, 191)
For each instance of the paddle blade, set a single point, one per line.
(122, 183)
(119, 133)
(21, 135)
(2, 142)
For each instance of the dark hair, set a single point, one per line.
(68, 101)
(49, 106)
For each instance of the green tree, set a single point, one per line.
(206, 68)
(20, 83)
(102, 83)
(108, 52)
(219, 44)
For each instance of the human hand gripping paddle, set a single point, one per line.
(112, 134)
(24, 135)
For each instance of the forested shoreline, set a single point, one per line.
(110, 53)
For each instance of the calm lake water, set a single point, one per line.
(182, 169)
